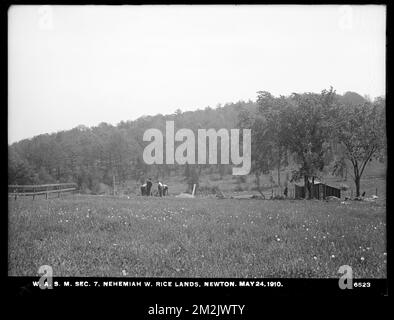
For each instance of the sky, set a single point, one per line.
(73, 65)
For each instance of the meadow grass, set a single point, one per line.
(203, 237)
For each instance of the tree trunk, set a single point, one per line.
(279, 175)
(113, 184)
(312, 188)
(357, 177)
(306, 187)
(257, 175)
(258, 184)
(357, 182)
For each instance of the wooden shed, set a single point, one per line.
(319, 191)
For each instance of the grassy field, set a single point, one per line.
(204, 237)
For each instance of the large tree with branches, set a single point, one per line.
(307, 130)
(361, 130)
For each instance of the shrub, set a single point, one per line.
(208, 189)
(344, 187)
(278, 197)
(130, 190)
(103, 188)
(86, 190)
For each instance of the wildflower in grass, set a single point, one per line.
(384, 253)
(332, 256)
(314, 258)
(124, 272)
(362, 258)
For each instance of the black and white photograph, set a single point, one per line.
(197, 142)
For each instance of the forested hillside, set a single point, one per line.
(92, 155)
(97, 155)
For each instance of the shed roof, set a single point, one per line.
(301, 184)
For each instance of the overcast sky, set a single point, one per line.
(71, 65)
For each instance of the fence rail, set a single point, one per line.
(33, 190)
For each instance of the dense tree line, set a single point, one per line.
(100, 154)
(310, 130)
(316, 130)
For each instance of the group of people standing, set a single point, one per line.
(146, 188)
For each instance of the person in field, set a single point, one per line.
(165, 190)
(143, 189)
(162, 188)
(149, 187)
(146, 188)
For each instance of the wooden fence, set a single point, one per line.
(42, 189)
